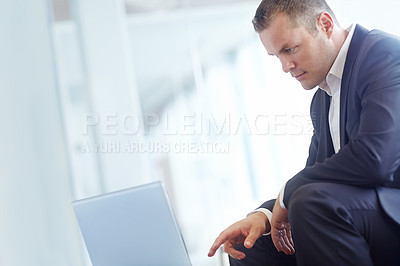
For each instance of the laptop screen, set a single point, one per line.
(134, 226)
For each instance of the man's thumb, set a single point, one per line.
(250, 240)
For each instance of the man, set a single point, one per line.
(343, 208)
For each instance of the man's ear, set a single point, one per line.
(325, 23)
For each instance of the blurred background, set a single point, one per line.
(98, 96)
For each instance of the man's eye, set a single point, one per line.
(290, 50)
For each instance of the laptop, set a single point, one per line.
(134, 226)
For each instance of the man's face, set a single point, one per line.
(305, 56)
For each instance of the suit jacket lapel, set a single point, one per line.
(358, 37)
(325, 149)
(327, 136)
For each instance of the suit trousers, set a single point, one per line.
(332, 224)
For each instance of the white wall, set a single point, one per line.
(37, 227)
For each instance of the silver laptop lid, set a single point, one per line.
(134, 226)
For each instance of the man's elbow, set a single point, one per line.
(380, 173)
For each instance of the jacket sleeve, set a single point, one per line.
(268, 205)
(370, 158)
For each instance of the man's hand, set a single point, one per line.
(280, 229)
(245, 231)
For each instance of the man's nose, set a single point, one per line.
(287, 65)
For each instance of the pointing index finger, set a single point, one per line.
(217, 243)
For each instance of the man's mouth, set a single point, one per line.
(300, 76)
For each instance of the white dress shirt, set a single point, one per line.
(333, 81)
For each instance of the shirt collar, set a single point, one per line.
(336, 71)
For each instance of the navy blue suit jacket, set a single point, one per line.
(369, 154)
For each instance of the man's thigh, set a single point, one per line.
(262, 253)
(342, 225)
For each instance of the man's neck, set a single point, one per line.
(340, 39)
(339, 36)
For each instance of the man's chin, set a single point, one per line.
(307, 86)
